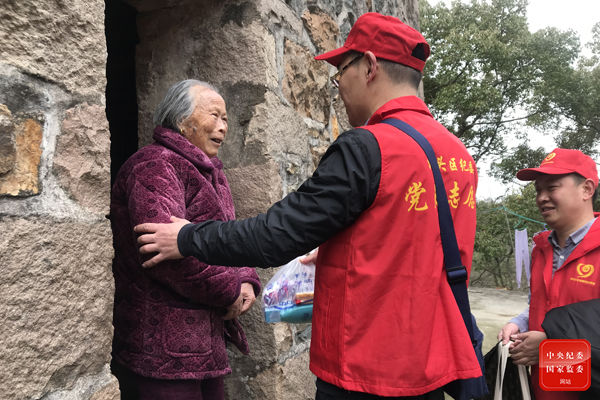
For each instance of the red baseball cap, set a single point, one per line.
(387, 37)
(560, 162)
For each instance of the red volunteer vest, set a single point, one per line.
(577, 280)
(385, 320)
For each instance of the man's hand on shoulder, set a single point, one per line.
(161, 239)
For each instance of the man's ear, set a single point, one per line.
(588, 189)
(372, 69)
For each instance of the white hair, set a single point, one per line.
(178, 104)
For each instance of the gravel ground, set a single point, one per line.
(493, 308)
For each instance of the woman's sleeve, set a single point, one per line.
(155, 192)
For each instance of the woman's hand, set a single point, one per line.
(235, 310)
(243, 303)
(248, 296)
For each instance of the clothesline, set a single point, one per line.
(502, 208)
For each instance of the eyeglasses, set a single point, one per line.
(335, 79)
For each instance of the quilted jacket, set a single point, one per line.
(167, 319)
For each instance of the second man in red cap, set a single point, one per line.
(565, 262)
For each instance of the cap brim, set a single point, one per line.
(334, 57)
(531, 174)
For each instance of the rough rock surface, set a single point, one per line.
(82, 159)
(56, 296)
(198, 42)
(306, 82)
(109, 391)
(8, 151)
(322, 29)
(254, 188)
(22, 139)
(101, 386)
(62, 41)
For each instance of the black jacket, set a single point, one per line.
(344, 185)
(578, 321)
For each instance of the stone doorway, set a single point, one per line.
(121, 96)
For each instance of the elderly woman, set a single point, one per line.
(171, 323)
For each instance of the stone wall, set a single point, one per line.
(56, 284)
(56, 287)
(283, 113)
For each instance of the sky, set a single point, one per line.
(578, 15)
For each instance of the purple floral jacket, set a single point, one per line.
(167, 319)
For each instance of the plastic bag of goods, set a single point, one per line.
(288, 297)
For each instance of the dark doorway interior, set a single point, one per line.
(121, 97)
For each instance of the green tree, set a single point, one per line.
(518, 158)
(486, 70)
(493, 259)
(568, 106)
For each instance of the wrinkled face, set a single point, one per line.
(207, 126)
(560, 199)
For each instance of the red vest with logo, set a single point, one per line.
(577, 280)
(385, 320)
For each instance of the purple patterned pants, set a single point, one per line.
(137, 387)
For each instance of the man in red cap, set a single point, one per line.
(385, 321)
(565, 262)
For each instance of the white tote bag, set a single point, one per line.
(503, 355)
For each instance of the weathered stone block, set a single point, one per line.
(82, 157)
(57, 292)
(283, 135)
(282, 19)
(101, 386)
(322, 30)
(317, 153)
(20, 140)
(8, 151)
(242, 98)
(220, 43)
(61, 41)
(339, 121)
(56, 295)
(297, 381)
(290, 380)
(108, 392)
(254, 188)
(305, 84)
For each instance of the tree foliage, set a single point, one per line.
(569, 104)
(493, 259)
(518, 158)
(489, 78)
